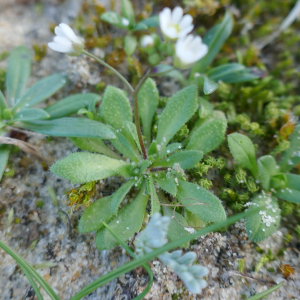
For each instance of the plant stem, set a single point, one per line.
(161, 73)
(111, 68)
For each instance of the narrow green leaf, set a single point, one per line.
(18, 73)
(291, 157)
(267, 292)
(128, 221)
(40, 91)
(170, 149)
(231, 73)
(130, 44)
(267, 167)
(94, 145)
(208, 136)
(31, 114)
(187, 159)
(71, 127)
(190, 194)
(128, 11)
(70, 105)
(215, 39)
(291, 192)
(118, 196)
(166, 184)
(243, 151)
(261, 225)
(114, 19)
(177, 112)
(132, 130)
(146, 24)
(4, 155)
(82, 167)
(3, 105)
(148, 102)
(92, 217)
(155, 203)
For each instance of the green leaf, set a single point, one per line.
(4, 155)
(114, 19)
(170, 149)
(119, 195)
(267, 167)
(128, 221)
(261, 225)
(92, 217)
(193, 221)
(208, 136)
(188, 193)
(155, 203)
(179, 109)
(214, 39)
(292, 190)
(40, 91)
(70, 105)
(209, 86)
(3, 105)
(124, 146)
(291, 157)
(94, 145)
(130, 44)
(267, 292)
(148, 102)
(18, 73)
(243, 151)
(231, 73)
(128, 11)
(31, 114)
(166, 184)
(82, 167)
(205, 109)
(146, 24)
(187, 159)
(176, 230)
(132, 130)
(84, 111)
(71, 127)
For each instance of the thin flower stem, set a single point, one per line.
(111, 68)
(161, 73)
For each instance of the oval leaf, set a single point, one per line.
(243, 151)
(92, 217)
(85, 167)
(189, 193)
(128, 221)
(267, 167)
(261, 225)
(208, 136)
(292, 190)
(179, 109)
(71, 127)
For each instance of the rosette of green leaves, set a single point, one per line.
(163, 170)
(18, 109)
(275, 180)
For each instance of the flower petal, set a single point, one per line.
(177, 14)
(186, 22)
(62, 41)
(59, 32)
(60, 48)
(164, 17)
(68, 31)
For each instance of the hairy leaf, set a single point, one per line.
(166, 184)
(292, 190)
(267, 167)
(155, 203)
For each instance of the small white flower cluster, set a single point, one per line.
(155, 236)
(188, 48)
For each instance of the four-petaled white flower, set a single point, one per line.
(188, 50)
(173, 24)
(147, 40)
(66, 41)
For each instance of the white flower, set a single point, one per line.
(66, 41)
(125, 21)
(173, 25)
(147, 40)
(189, 49)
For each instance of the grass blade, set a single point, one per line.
(267, 292)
